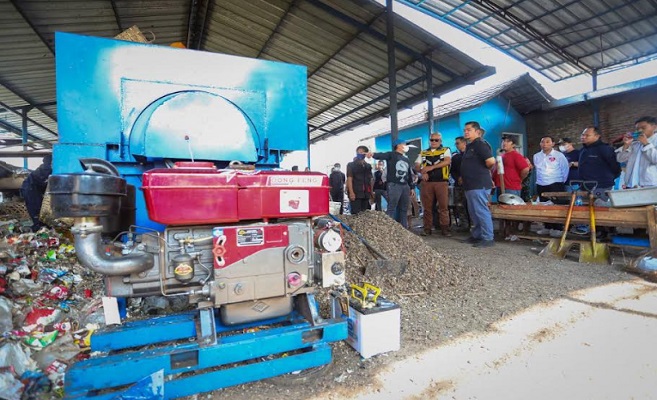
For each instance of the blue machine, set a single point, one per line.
(138, 105)
(125, 108)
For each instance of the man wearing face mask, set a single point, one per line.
(359, 181)
(572, 156)
(399, 175)
(379, 185)
(337, 180)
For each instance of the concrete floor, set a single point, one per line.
(599, 343)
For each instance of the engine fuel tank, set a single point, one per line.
(199, 193)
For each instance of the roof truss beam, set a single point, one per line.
(644, 18)
(116, 15)
(536, 18)
(347, 43)
(16, 130)
(438, 90)
(198, 15)
(369, 103)
(378, 35)
(25, 117)
(31, 25)
(491, 15)
(281, 21)
(508, 16)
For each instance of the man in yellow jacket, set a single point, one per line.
(433, 163)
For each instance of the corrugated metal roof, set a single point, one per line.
(559, 38)
(342, 42)
(523, 92)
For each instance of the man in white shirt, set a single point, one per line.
(640, 154)
(551, 173)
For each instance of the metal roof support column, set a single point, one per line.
(24, 112)
(308, 147)
(392, 70)
(596, 108)
(429, 95)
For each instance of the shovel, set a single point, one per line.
(597, 253)
(559, 248)
(382, 264)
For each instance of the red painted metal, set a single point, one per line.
(198, 193)
(233, 244)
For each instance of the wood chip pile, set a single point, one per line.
(428, 269)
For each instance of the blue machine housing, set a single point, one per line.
(138, 105)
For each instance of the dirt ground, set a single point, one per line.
(494, 283)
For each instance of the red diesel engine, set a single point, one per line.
(241, 240)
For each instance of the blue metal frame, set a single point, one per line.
(241, 354)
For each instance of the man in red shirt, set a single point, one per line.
(516, 167)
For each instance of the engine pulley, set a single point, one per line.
(328, 240)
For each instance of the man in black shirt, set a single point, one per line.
(460, 202)
(337, 181)
(379, 185)
(359, 181)
(398, 180)
(477, 182)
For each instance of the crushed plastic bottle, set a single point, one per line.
(6, 323)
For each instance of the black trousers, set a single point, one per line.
(359, 205)
(33, 197)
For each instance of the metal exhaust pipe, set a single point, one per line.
(89, 249)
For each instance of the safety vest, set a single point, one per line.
(432, 157)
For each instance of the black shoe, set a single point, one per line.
(484, 243)
(425, 233)
(471, 240)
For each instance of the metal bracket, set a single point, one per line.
(306, 305)
(206, 333)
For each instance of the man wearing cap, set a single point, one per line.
(572, 156)
(399, 175)
(433, 163)
(516, 167)
(475, 175)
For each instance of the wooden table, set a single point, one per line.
(631, 217)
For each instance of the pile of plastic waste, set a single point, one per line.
(49, 307)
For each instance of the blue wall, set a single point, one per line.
(492, 115)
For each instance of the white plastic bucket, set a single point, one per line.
(334, 207)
